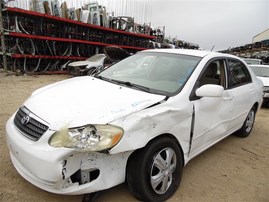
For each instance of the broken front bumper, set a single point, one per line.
(64, 171)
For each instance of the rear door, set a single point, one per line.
(242, 90)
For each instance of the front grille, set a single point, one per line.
(28, 125)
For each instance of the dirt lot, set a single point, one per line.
(233, 170)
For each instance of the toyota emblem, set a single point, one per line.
(25, 120)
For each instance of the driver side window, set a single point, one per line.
(214, 73)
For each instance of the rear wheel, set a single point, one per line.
(154, 172)
(248, 124)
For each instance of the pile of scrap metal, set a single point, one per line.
(42, 43)
(163, 42)
(258, 50)
(92, 13)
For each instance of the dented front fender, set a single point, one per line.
(164, 118)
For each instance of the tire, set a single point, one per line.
(145, 166)
(248, 124)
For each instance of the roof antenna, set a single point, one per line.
(212, 48)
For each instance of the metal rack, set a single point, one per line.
(37, 42)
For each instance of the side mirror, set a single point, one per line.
(209, 90)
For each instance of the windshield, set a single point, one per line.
(96, 58)
(160, 73)
(261, 71)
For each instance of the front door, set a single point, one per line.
(211, 114)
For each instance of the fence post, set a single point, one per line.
(2, 33)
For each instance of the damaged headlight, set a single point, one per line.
(88, 138)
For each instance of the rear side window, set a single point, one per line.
(238, 73)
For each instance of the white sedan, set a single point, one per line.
(89, 66)
(141, 121)
(262, 72)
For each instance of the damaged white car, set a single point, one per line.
(93, 64)
(140, 121)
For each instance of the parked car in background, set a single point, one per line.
(88, 66)
(262, 72)
(141, 120)
(252, 61)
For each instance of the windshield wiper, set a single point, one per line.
(126, 83)
(102, 78)
(129, 84)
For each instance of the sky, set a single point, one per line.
(212, 24)
(217, 24)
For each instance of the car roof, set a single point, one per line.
(191, 52)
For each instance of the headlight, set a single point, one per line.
(88, 138)
(266, 89)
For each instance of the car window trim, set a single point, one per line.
(229, 72)
(192, 96)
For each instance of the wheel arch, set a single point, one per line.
(165, 135)
(256, 105)
(243, 132)
(135, 169)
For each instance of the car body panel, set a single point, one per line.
(265, 82)
(240, 95)
(211, 128)
(112, 171)
(163, 119)
(79, 68)
(110, 96)
(82, 63)
(264, 77)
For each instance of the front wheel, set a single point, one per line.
(154, 172)
(248, 124)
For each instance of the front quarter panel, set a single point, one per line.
(171, 117)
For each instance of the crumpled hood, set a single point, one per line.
(87, 100)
